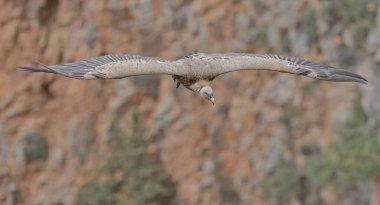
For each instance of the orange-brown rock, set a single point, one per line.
(215, 154)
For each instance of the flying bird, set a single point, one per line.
(195, 71)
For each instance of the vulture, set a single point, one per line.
(196, 70)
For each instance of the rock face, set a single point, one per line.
(250, 148)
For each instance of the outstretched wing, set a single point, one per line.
(224, 63)
(109, 66)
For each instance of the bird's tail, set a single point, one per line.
(32, 70)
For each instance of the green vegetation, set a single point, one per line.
(35, 147)
(133, 177)
(97, 193)
(284, 40)
(308, 23)
(352, 14)
(354, 157)
(346, 56)
(281, 184)
(360, 14)
(351, 10)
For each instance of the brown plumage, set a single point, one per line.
(195, 71)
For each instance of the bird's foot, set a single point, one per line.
(196, 51)
(176, 82)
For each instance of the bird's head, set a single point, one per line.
(207, 93)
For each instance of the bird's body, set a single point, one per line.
(196, 70)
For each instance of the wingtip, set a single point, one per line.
(26, 69)
(359, 79)
(341, 75)
(364, 82)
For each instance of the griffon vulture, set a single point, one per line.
(195, 71)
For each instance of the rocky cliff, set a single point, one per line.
(270, 139)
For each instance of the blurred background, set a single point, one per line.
(270, 139)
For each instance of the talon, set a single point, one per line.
(178, 84)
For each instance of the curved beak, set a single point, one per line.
(212, 99)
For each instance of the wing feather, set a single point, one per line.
(293, 65)
(199, 65)
(110, 66)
